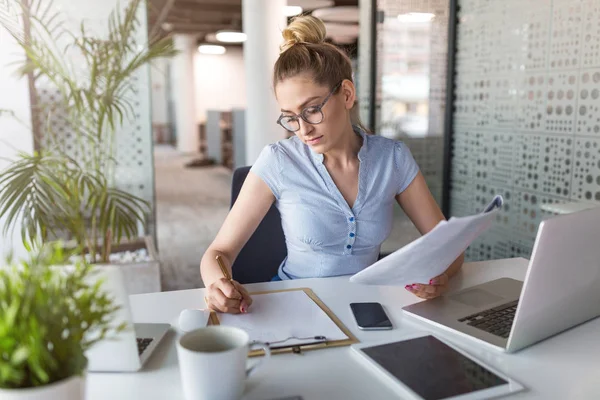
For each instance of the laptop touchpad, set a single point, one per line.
(476, 298)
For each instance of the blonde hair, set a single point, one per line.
(305, 51)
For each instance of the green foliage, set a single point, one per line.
(55, 190)
(49, 317)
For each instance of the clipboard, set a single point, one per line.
(298, 349)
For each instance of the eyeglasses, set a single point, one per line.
(312, 115)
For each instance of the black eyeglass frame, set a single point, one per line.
(318, 107)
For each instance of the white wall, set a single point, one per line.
(14, 137)
(220, 82)
(158, 79)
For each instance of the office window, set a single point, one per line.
(412, 49)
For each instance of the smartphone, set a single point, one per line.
(370, 316)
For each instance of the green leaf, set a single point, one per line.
(19, 356)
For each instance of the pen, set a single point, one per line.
(226, 274)
(223, 268)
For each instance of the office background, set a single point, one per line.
(524, 97)
(526, 123)
(491, 97)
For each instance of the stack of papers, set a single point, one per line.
(431, 254)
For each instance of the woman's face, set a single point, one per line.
(300, 93)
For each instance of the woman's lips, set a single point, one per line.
(315, 140)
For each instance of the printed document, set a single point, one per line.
(431, 254)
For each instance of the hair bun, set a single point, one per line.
(303, 29)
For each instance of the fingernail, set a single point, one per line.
(414, 286)
(431, 281)
(244, 309)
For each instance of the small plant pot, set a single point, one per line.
(72, 388)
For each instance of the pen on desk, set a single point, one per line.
(225, 272)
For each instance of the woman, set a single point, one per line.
(334, 185)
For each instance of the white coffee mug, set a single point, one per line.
(212, 362)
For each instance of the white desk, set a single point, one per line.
(566, 366)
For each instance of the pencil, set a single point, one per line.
(223, 268)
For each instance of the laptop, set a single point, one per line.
(130, 349)
(561, 290)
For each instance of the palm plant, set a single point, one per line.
(58, 189)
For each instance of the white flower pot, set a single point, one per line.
(72, 388)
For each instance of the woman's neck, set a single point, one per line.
(345, 153)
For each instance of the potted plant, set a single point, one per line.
(69, 192)
(49, 317)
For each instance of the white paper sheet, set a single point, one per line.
(292, 317)
(432, 253)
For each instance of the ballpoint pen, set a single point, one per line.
(223, 268)
(225, 272)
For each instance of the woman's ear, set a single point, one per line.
(349, 92)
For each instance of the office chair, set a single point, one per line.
(265, 250)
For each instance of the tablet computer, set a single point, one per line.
(425, 367)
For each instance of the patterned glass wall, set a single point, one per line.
(526, 120)
(412, 49)
(134, 171)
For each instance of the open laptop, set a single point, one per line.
(130, 349)
(561, 290)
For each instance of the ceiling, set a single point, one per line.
(202, 17)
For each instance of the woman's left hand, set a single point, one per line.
(437, 286)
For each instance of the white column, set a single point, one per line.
(365, 52)
(263, 22)
(182, 77)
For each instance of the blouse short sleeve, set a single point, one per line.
(406, 166)
(268, 168)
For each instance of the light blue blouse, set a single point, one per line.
(324, 236)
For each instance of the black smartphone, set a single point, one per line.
(370, 316)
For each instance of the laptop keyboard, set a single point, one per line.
(143, 343)
(497, 321)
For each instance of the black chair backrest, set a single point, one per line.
(265, 250)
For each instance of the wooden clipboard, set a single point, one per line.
(214, 320)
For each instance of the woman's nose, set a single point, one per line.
(305, 127)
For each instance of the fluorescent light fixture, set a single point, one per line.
(211, 49)
(290, 11)
(416, 17)
(230, 36)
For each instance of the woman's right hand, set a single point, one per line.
(227, 296)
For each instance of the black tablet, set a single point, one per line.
(428, 368)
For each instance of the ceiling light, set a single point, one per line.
(416, 17)
(211, 49)
(231, 36)
(290, 11)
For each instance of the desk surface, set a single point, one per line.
(566, 366)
